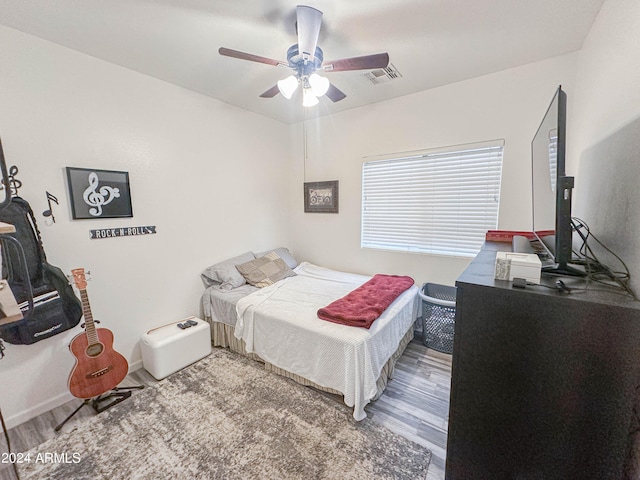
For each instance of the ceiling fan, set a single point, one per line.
(306, 58)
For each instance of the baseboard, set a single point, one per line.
(137, 365)
(38, 409)
(52, 403)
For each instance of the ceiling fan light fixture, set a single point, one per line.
(319, 85)
(308, 98)
(308, 24)
(288, 86)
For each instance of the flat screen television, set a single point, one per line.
(552, 188)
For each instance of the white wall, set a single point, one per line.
(507, 105)
(607, 96)
(604, 134)
(211, 177)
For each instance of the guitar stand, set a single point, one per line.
(118, 395)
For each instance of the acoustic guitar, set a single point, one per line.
(99, 368)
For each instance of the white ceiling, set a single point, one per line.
(430, 42)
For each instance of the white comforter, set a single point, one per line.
(280, 324)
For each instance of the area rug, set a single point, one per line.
(225, 417)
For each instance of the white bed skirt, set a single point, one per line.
(222, 336)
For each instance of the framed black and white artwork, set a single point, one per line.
(99, 193)
(321, 197)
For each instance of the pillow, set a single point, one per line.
(265, 270)
(224, 275)
(284, 254)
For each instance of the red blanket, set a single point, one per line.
(363, 305)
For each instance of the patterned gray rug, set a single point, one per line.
(226, 417)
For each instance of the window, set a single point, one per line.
(440, 202)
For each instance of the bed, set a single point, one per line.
(278, 325)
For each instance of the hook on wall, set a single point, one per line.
(49, 212)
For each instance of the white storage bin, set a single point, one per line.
(169, 348)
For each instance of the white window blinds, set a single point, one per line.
(436, 202)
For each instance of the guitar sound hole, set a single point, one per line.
(95, 349)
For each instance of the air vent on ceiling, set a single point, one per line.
(383, 75)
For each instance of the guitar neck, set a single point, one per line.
(90, 326)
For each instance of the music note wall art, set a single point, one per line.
(49, 211)
(14, 183)
(99, 193)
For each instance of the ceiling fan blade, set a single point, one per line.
(272, 92)
(227, 52)
(334, 94)
(367, 62)
(308, 25)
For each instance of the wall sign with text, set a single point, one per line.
(122, 232)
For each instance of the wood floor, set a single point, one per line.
(415, 405)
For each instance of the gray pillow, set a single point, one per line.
(283, 253)
(224, 275)
(265, 270)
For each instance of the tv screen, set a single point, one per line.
(552, 188)
(544, 151)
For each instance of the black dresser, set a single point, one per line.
(543, 382)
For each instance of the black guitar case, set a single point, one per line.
(55, 307)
